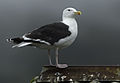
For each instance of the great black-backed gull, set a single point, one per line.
(56, 36)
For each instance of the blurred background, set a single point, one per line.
(98, 42)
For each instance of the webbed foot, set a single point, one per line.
(62, 65)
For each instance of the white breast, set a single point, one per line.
(65, 42)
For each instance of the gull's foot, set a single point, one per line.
(52, 65)
(62, 65)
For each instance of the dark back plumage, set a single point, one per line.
(50, 33)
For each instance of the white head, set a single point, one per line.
(70, 13)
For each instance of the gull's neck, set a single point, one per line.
(69, 21)
(67, 18)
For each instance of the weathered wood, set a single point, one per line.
(78, 73)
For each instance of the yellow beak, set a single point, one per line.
(78, 12)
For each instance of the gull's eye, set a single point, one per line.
(69, 10)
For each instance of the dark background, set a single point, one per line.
(98, 42)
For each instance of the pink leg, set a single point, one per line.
(57, 64)
(50, 61)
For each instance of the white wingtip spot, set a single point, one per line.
(8, 40)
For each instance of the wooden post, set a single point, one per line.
(72, 74)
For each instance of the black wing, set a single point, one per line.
(50, 33)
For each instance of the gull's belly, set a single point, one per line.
(65, 42)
